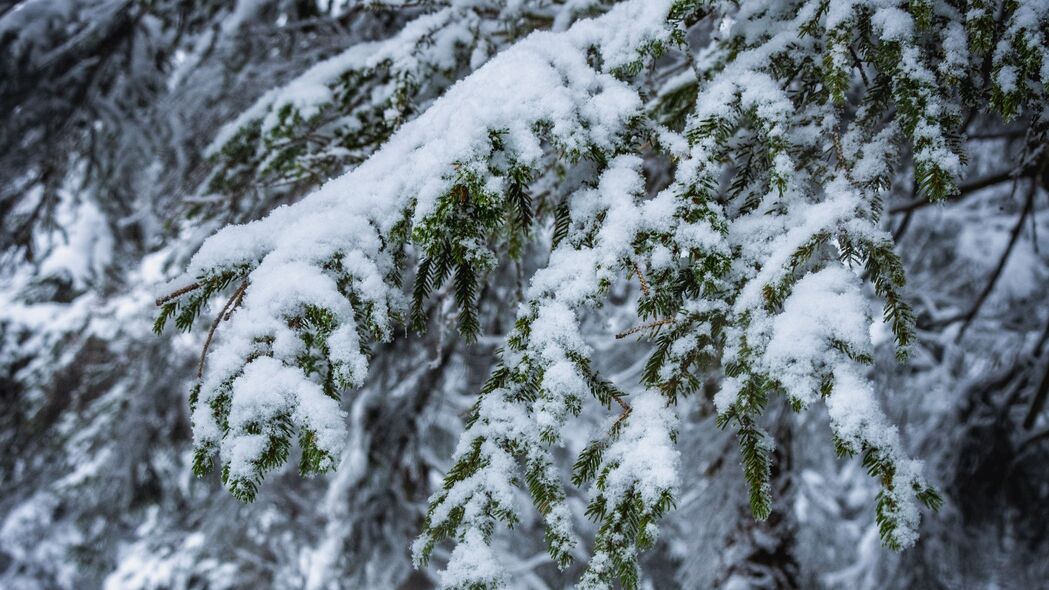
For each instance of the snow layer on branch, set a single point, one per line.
(857, 419)
(83, 248)
(543, 79)
(641, 458)
(825, 307)
(307, 93)
(543, 88)
(798, 318)
(771, 241)
(573, 274)
(644, 458)
(472, 562)
(546, 79)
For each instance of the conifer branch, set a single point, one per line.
(747, 248)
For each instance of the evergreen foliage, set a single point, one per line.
(781, 152)
(731, 161)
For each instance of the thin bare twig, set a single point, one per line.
(238, 295)
(904, 225)
(623, 415)
(225, 313)
(177, 293)
(1041, 342)
(641, 278)
(637, 329)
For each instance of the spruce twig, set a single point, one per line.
(224, 314)
(637, 329)
(641, 278)
(234, 301)
(177, 293)
(624, 413)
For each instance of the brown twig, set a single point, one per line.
(839, 154)
(177, 293)
(623, 415)
(637, 329)
(225, 313)
(641, 278)
(237, 296)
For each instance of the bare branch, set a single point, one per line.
(1013, 238)
(225, 313)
